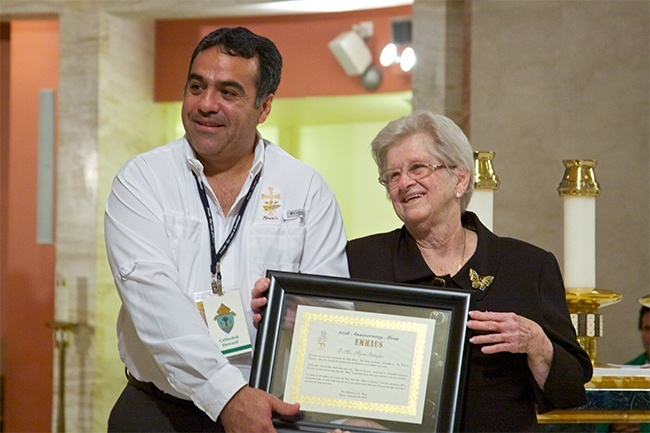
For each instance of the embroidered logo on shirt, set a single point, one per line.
(271, 202)
(479, 282)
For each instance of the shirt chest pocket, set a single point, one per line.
(184, 241)
(276, 247)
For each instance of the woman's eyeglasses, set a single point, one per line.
(415, 170)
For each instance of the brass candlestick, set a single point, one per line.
(484, 175)
(485, 183)
(645, 301)
(61, 338)
(584, 302)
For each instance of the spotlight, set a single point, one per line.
(388, 55)
(407, 59)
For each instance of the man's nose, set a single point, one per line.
(210, 101)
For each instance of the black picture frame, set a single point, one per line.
(449, 353)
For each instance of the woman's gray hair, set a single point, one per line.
(449, 143)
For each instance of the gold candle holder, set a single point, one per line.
(484, 175)
(645, 301)
(485, 183)
(579, 180)
(586, 318)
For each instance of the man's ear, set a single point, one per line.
(265, 108)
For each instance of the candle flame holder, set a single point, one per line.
(579, 178)
(484, 175)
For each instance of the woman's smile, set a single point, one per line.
(410, 197)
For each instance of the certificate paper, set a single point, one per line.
(362, 364)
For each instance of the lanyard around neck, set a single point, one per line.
(215, 263)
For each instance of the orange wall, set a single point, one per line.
(302, 40)
(28, 277)
(4, 188)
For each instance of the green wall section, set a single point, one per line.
(341, 153)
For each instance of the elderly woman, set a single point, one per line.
(523, 353)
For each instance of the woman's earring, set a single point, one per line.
(459, 194)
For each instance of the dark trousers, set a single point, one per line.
(144, 408)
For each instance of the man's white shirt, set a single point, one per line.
(158, 245)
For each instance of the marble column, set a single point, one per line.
(76, 216)
(105, 111)
(441, 74)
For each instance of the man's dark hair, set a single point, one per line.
(642, 312)
(239, 41)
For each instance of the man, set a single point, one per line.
(211, 212)
(644, 327)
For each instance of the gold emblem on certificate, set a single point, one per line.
(360, 364)
(226, 322)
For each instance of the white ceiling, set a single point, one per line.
(311, 6)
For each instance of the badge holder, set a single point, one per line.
(224, 314)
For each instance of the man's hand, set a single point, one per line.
(258, 301)
(250, 410)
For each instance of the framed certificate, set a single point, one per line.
(363, 355)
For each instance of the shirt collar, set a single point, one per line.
(197, 167)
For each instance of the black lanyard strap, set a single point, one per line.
(215, 263)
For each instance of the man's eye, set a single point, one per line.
(195, 88)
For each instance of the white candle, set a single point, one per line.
(579, 244)
(482, 204)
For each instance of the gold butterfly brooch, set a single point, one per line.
(479, 282)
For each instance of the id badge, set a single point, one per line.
(226, 321)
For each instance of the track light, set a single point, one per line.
(407, 59)
(388, 55)
(401, 32)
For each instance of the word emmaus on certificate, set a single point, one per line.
(352, 363)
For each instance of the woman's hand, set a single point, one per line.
(509, 332)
